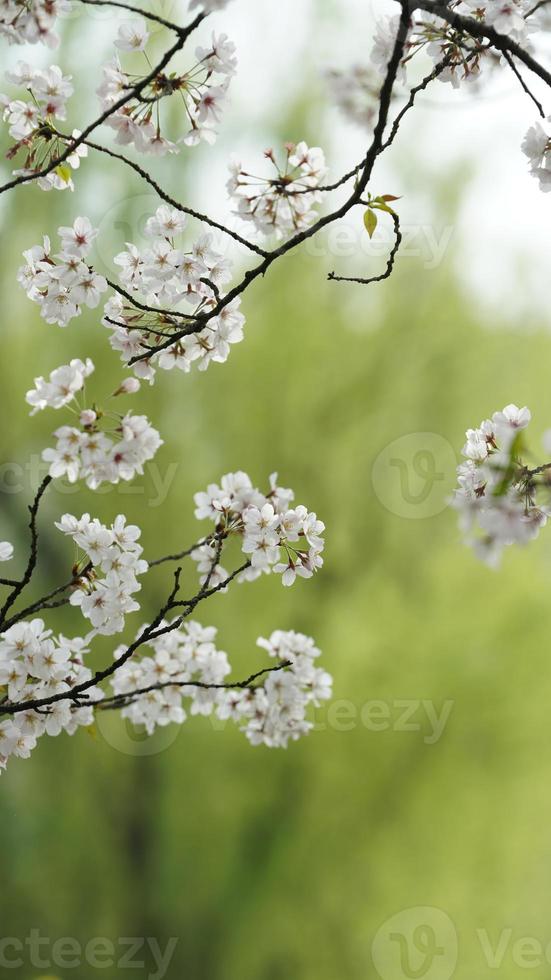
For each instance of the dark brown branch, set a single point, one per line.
(364, 171)
(483, 31)
(130, 94)
(128, 698)
(135, 10)
(33, 555)
(216, 535)
(45, 602)
(411, 101)
(171, 200)
(150, 632)
(157, 310)
(510, 61)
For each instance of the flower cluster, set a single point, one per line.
(203, 90)
(165, 276)
(185, 664)
(64, 283)
(460, 53)
(275, 712)
(497, 494)
(285, 202)
(92, 452)
(275, 536)
(35, 664)
(32, 124)
(31, 22)
(106, 577)
(356, 92)
(537, 147)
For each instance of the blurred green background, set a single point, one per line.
(284, 864)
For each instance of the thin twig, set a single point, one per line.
(124, 700)
(365, 171)
(131, 93)
(389, 265)
(510, 61)
(171, 200)
(33, 555)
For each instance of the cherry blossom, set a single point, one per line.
(64, 283)
(99, 455)
(132, 36)
(283, 203)
(34, 664)
(203, 90)
(500, 500)
(537, 147)
(6, 551)
(62, 386)
(33, 122)
(270, 712)
(109, 570)
(208, 5)
(275, 537)
(32, 22)
(167, 276)
(356, 91)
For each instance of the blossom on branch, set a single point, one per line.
(109, 570)
(167, 277)
(33, 125)
(286, 202)
(64, 283)
(203, 90)
(501, 501)
(276, 537)
(31, 22)
(184, 667)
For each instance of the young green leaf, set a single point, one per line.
(370, 222)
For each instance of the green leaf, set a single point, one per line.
(64, 172)
(370, 222)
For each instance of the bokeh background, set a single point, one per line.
(277, 865)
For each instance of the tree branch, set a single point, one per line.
(31, 564)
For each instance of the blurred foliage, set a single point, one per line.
(268, 864)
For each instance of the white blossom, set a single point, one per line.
(62, 284)
(35, 664)
(286, 202)
(32, 22)
(497, 495)
(169, 277)
(275, 537)
(62, 386)
(6, 551)
(180, 662)
(110, 570)
(537, 147)
(203, 90)
(98, 456)
(208, 6)
(132, 35)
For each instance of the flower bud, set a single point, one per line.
(128, 387)
(87, 417)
